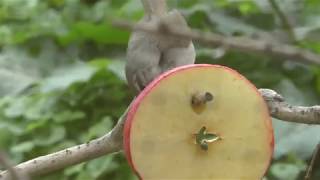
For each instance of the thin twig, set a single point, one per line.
(315, 156)
(283, 18)
(243, 44)
(280, 109)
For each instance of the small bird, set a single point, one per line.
(151, 54)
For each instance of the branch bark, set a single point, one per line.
(12, 173)
(112, 141)
(280, 109)
(243, 44)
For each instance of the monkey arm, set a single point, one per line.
(172, 20)
(154, 7)
(143, 58)
(176, 57)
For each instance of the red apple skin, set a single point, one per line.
(136, 102)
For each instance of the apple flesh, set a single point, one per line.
(162, 125)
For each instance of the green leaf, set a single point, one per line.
(118, 68)
(17, 108)
(40, 107)
(130, 10)
(56, 134)
(63, 77)
(23, 147)
(6, 135)
(12, 127)
(100, 63)
(76, 169)
(101, 165)
(83, 175)
(115, 66)
(8, 76)
(33, 125)
(67, 116)
(247, 8)
(103, 33)
(285, 171)
(101, 128)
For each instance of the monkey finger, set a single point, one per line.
(144, 77)
(140, 80)
(135, 83)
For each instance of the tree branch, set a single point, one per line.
(112, 141)
(243, 44)
(109, 143)
(280, 109)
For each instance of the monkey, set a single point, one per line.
(150, 54)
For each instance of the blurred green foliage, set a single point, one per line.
(62, 80)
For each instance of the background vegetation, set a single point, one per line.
(62, 81)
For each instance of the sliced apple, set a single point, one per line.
(199, 122)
